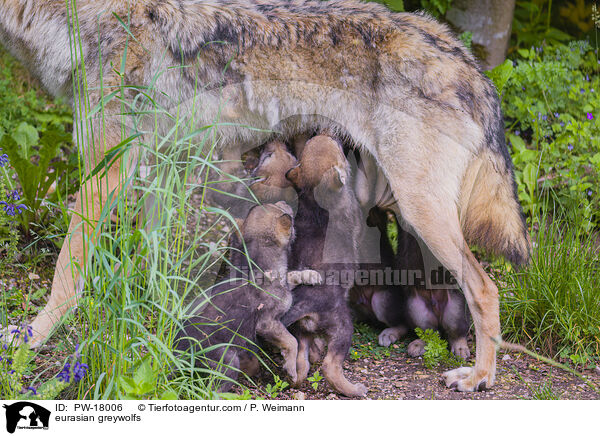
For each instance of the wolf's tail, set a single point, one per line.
(490, 214)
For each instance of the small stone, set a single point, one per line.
(299, 396)
(506, 357)
(332, 397)
(33, 276)
(597, 370)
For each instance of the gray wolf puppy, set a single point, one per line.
(403, 307)
(239, 309)
(327, 228)
(399, 85)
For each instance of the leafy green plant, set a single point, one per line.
(142, 384)
(436, 349)
(500, 75)
(273, 390)
(35, 137)
(365, 344)
(552, 102)
(315, 379)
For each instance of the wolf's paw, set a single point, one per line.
(290, 368)
(460, 348)
(388, 337)
(358, 390)
(304, 277)
(416, 348)
(465, 379)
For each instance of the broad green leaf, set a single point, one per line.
(169, 396)
(500, 75)
(25, 136)
(128, 385)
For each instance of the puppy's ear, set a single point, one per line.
(284, 224)
(293, 175)
(339, 176)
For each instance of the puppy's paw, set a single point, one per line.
(290, 368)
(416, 348)
(388, 337)
(466, 379)
(460, 348)
(304, 277)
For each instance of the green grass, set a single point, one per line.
(553, 305)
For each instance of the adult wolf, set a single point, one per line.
(398, 85)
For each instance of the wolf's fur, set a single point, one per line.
(238, 309)
(327, 229)
(399, 85)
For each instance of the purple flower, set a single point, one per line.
(517, 132)
(556, 114)
(589, 193)
(590, 116)
(12, 209)
(3, 159)
(13, 195)
(32, 389)
(79, 371)
(570, 147)
(544, 117)
(65, 374)
(587, 78)
(562, 124)
(582, 91)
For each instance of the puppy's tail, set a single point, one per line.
(490, 214)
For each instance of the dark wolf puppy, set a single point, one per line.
(403, 307)
(327, 229)
(239, 310)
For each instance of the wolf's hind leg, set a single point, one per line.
(436, 220)
(339, 339)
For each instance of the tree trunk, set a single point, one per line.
(490, 22)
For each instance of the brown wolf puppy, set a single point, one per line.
(238, 309)
(403, 307)
(399, 85)
(263, 180)
(327, 228)
(271, 184)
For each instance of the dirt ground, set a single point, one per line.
(400, 377)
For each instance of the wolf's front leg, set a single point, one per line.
(91, 198)
(275, 332)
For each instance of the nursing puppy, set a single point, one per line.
(405, 306)
(239, 309)
(327, 229)
(241, 183)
